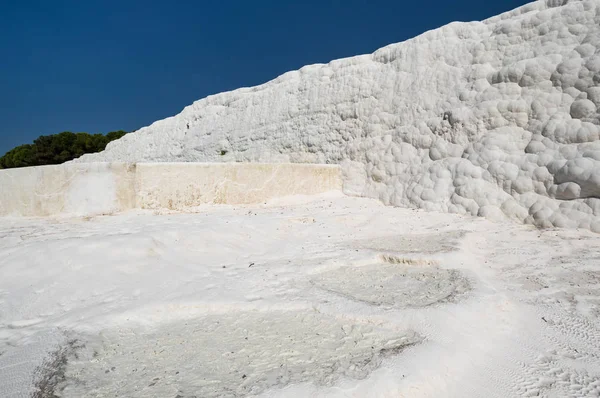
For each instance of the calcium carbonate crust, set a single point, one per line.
(495, 118)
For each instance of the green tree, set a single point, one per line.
(115, 135)
(57, 148)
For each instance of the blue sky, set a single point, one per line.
(98, 66)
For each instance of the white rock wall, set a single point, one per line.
(179, 186)
(80, 189)
(495, 118)
(74, 189)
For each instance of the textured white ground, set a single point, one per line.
(496, 118)
(327, 297)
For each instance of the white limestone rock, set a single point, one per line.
(481, 118)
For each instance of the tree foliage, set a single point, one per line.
(57, 148)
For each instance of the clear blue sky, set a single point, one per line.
(98, 66)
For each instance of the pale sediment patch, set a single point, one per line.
(395, 285)
(231, 354)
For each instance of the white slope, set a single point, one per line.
(494, 118)
(338, 297)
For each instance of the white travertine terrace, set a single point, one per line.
(495, 118)
(105, 188)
